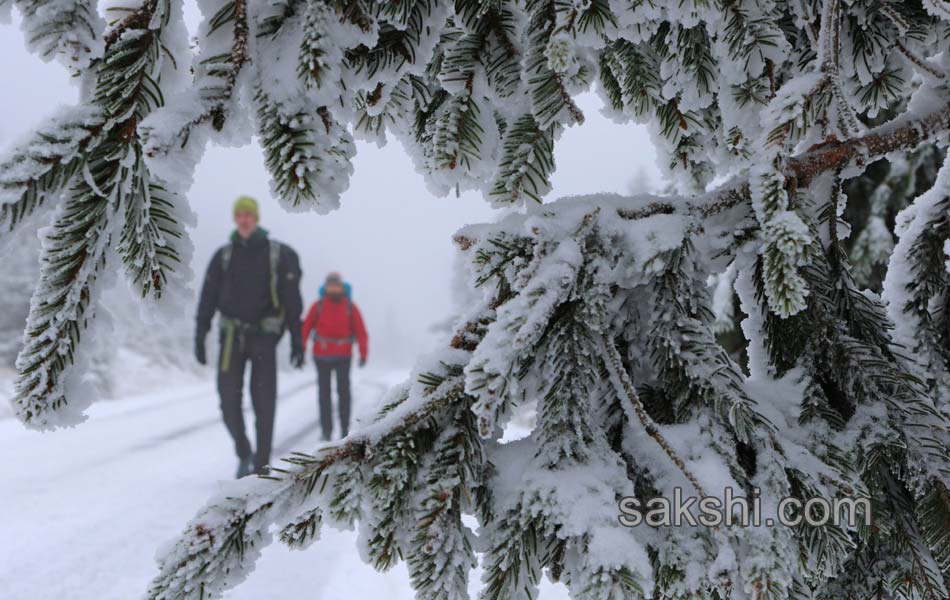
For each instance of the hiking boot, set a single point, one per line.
(262, 470)
(244, 467)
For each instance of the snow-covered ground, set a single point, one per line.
(84, 510)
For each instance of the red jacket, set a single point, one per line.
(336, 325)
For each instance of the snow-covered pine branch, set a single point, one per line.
(596, 309)
(226, 537)
(306, 152)
(42, 166)
(91, 163)
(67, 30)
(174, 134)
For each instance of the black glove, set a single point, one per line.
(200, 349)
(362, 362)
(296, 353)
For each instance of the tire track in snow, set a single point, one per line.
(155, 405)
(125, 452)
(175, 434)
(282, 446)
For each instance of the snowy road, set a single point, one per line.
(84, 510)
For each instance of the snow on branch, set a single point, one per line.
(901, 134)
(65, 297)
(307, 152)
(179, 127)
(99, 165)
(68, 30)
(43, 165)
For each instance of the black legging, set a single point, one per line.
(259, 349)
(326, 365)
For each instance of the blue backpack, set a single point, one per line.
(347, 290)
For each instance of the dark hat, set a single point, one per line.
(334, 277)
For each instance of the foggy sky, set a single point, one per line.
(391, 238)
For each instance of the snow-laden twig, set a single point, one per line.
(634, 407)
(43, 165)
(69, 30)
(215, 81)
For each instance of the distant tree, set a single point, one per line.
(595, 310)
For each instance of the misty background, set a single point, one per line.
(391, 238)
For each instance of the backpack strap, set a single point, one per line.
(274, 267)
(226, 257)
(349, 314)
(316, 318)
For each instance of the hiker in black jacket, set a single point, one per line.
(254, 282)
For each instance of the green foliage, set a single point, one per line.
(345, 501)
(304, 531)
(389, 489)
(513, 569)
(527, 161)
(77, 247)
(858, 382)
(630, 76)
(694, 369)
(67, 281)
(455, 134)
(46, 164)
(70, 31)
(929, 279)
(306, 152)
(550, 91)
(564, 353)
(148, 244)
(443, 552)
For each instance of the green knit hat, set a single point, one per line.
(247, 204)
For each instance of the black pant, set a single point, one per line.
(260, 350)
(326, 365)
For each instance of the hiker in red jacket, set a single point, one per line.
(335, 323)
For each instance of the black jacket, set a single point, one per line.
(244, 291)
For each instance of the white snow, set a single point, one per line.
(93, 504)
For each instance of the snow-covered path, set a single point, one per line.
(85, 509)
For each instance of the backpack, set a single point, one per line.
(274, 253)
(349, 314)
